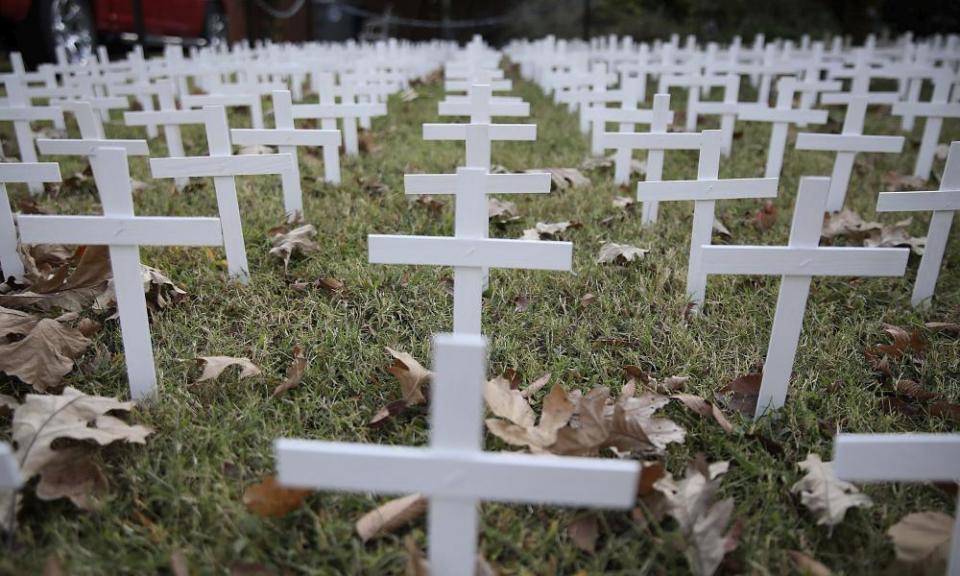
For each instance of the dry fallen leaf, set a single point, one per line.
(43, 420)
(71, 284)
(536, 386)
(826, 495)
(611, 252)
(256, 149)
(269, 499)
(516, 421)
(501, 211)
(413, 377)
(215, 365)
(742, 393)
(408, 95)
(40, 352)
(922, 540)
(857, 231)
(294, 372)
(390, 516)
(944, 326)
(703, 522)
(941, 151)
(584, 531)
(562, 178)
(417, 564)
(706, 409)
(544, 230)
(765, 217)
(892, 181)
(638, 167)
(298, 240)
(624, 202)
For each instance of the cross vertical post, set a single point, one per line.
(25, 172)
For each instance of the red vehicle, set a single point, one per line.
(39, 26)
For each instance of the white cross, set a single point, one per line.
(943, 203)
(124, 233)
(18, 172)
(481, 107)
(781, 116)
(469, 251)
(704, 191)
(454, 472)
(655, 143)
(10, 478)
(496, 85)
(287, 137)
(902, 458)
(798, 263)
(935, 111)
(171, 119)
(348, 111)
(223, 167)
(19, 110)
(847, 144)
(239, 100)
(726, 109)
(626, 116)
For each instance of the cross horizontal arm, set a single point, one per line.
(849, 142)
(653, 140)
(165, 117)
(625, 115)
(529, 183)
(505, 477)
(89, 146)
(464, 85)
(898, 457)
(30, 172)
(447, 108)
(50, 113)
(200, 100)
(726, 189)
(120, 230)
(831, 98)
(470, 252)
(715, 108)
(928, 109)
(918, 201)
(339, 110)
(213, 166)
(285, 137)
(502, 132)
(765, 114)
(787, 261)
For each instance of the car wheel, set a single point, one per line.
(67, 23)
(215, 25)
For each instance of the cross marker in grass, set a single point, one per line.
(902, 458)
(348, 111)
(18, 172)
(728, 109)
(287, 137)
(171, 119)
(627, 116)
(240, 99)
(944, 203)
(655, 142)
(481, 106)
(797, 264)
(847, 145)
(17, 108)
(469, 251)
(454, 471)
(124, 233)
(10, 478)
(780, 116)
(938, 108)
(223, 167)
(704, 192)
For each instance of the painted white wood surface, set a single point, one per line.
(18, 109)
(10, 478)
(847, 145)
(797, 263)
(704, 192)
(124, 233)
(454, 472)
(935, 111)
(903, 458)
(23, 172)
(944, 204)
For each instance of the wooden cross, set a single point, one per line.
(655, 143)
(469, 251)
(18, 172)
(781, 116)
(10, 478)
(348, 111)
(19, 110)
(454, 471)
(223, 167)
(238, 100)
(847, 144)
(478, 140)
(170, 118)
(943, 203)
(124, 233)
(934, 111)
(727, 109)
(704, 191)
(902, 458)
(627, 116)
(287, 138)
(481, 107)
(797, 264)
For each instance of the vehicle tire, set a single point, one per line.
(51, 23)
(215, 25)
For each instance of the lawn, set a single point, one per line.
(183, 490)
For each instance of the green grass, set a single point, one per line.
(183, 489)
